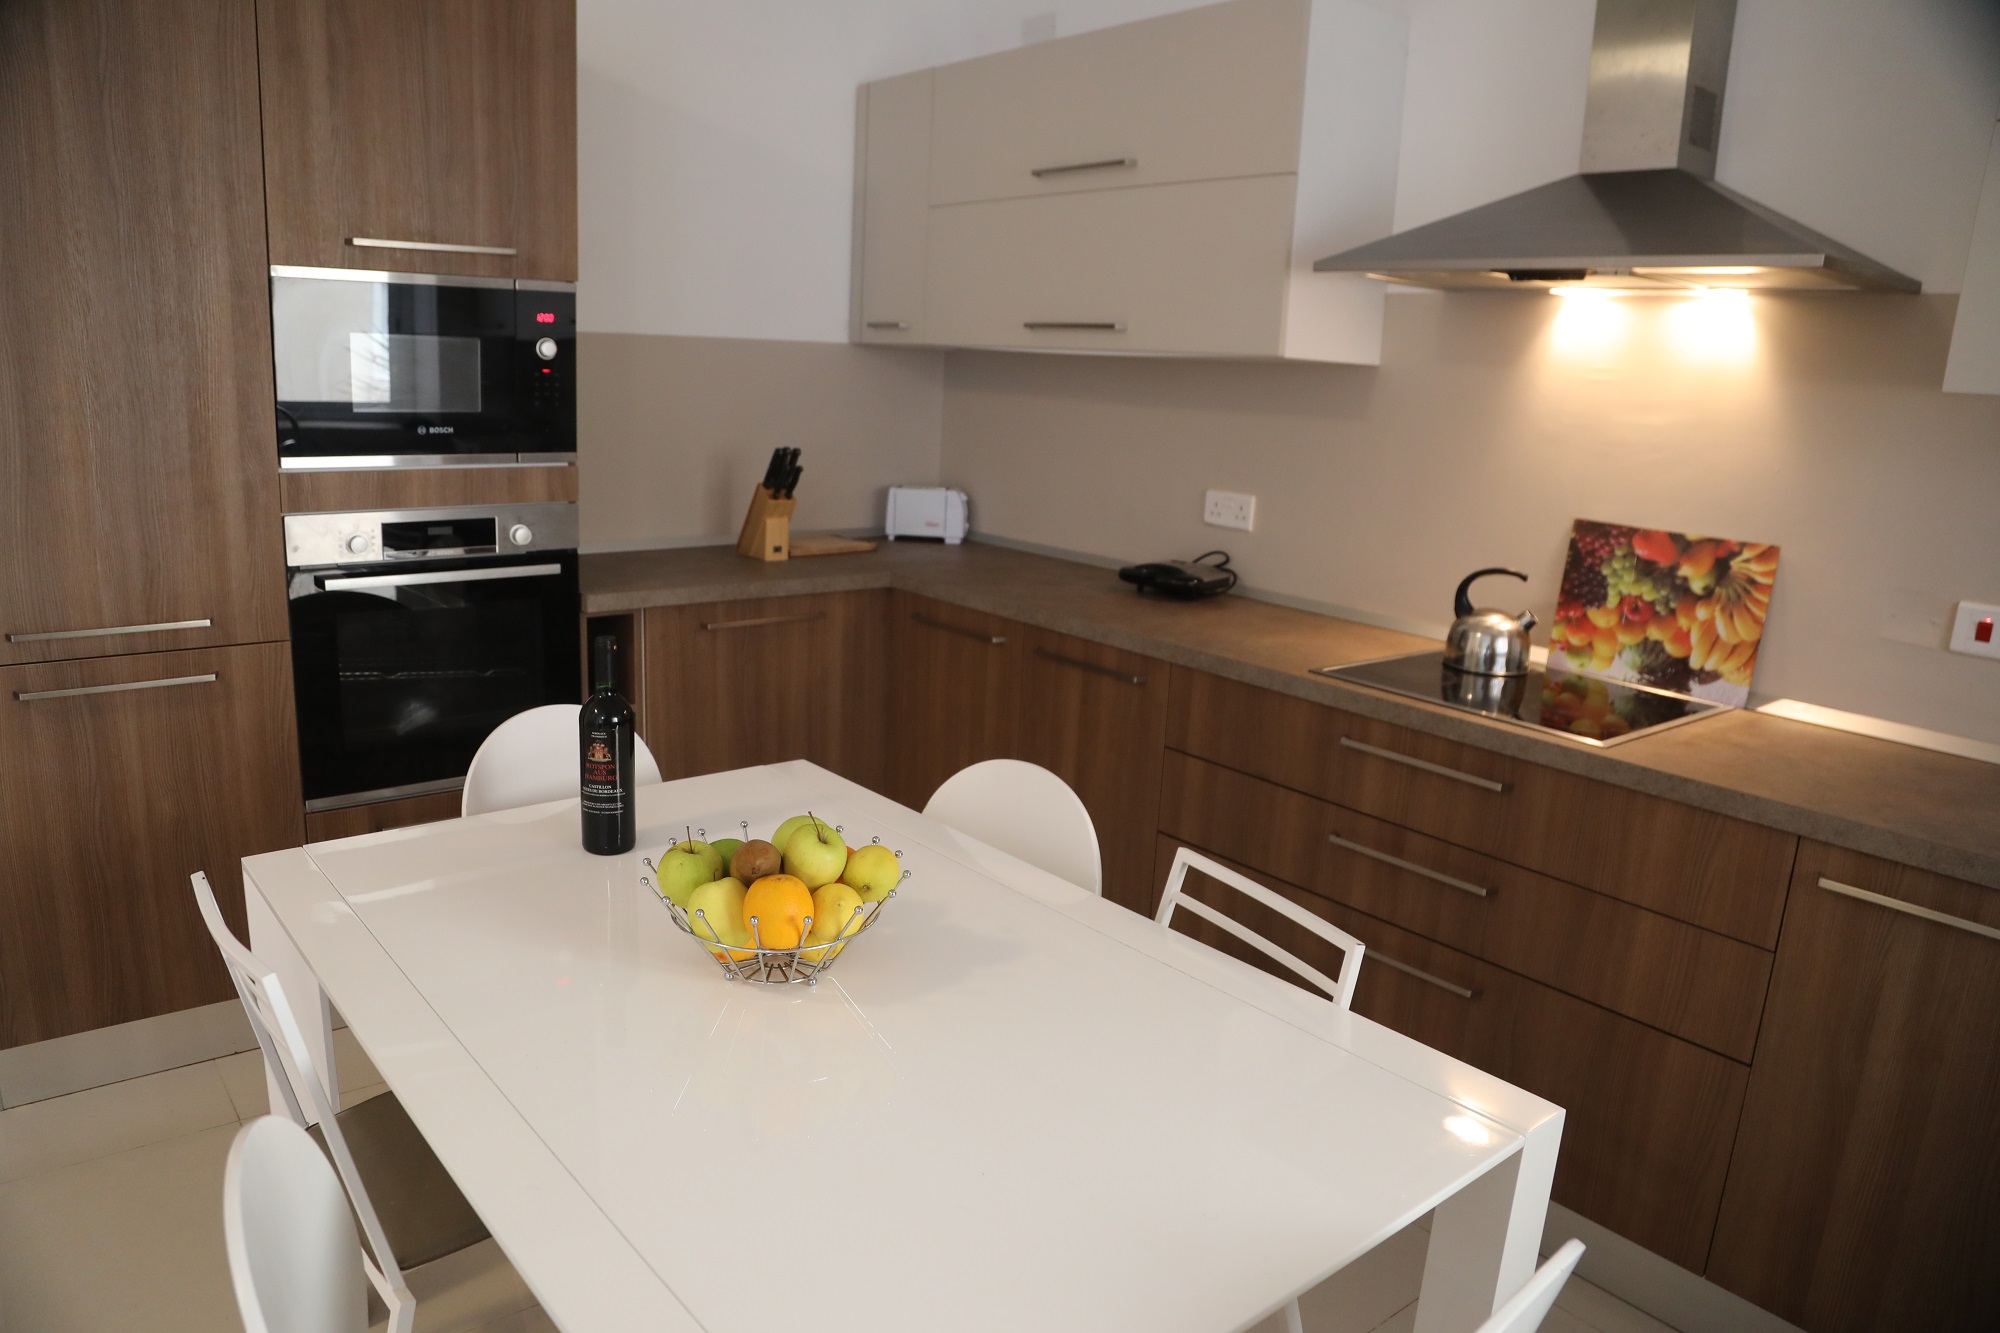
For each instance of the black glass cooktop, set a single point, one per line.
(1581, 707)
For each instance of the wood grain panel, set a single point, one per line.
(424, 488)
(107, 803)
(545, 144)
(956, 690)
(1693, 983)
(137, 483)
(378, 815)
(1650, 1118)
(1865, 1190)
(1097, 717)
(1723, 874)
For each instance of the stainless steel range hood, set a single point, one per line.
(1645, 211)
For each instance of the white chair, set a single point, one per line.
(1526, 1308)
(531, 758)
(1025, 811)
(293, 1257)
(1341, 989)
(374, 1147)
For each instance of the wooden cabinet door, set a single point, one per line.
(956, 683)
(1865, 1189)
(125, 776)
(761, 681)
(1097, 717)
(892, 208)
(437, 123)
(138, 474)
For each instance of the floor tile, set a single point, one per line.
(127, 1241)
(62, 1131)
(1597, 1309)
(351, 1063)
(475, 1289)
(349, 1096)
(1403, 1321)
(243, 1075)
(1368, 1291)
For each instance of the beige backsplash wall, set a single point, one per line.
(1812, 421)
(674, 432)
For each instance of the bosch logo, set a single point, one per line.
(436, 430)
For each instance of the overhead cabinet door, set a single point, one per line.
(1200, 95)
(891, 196)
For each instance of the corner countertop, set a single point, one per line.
(1935, 811)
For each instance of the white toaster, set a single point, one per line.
(937, 512)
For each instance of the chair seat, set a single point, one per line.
(423, 1214)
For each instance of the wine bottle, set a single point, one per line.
(604, 733)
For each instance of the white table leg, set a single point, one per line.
(1486, 1239)
(309, 1004)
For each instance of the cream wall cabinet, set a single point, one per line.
(1159, 188)
(1974, 363)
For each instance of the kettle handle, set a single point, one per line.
(1461, 604)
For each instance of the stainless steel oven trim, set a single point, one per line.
(317, 540)
(392, 462)
(382, 275)
(542, 285)
(321, 804)
(359, 581)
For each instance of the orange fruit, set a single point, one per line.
(780, 904)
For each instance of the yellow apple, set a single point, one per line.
(834, 917)
(715, 914)
(872, 871)
(815, 854)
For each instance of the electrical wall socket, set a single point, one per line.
(1976, 629)
(1230, 509)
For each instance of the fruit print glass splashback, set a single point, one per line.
(1672, 610)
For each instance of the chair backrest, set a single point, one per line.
(1340, 988)
(292, 1070)
(531, 758)
(1526, 1308)
(1025, 811)
(292, 1252)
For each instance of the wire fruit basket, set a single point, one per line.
(804, 964)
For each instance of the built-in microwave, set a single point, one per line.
(398, 369)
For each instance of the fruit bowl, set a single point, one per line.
(766, 932)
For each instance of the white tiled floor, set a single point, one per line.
(111, 1218)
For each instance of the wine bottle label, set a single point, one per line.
(603, 793)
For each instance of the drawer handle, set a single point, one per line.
(1484, 784)
(886, 324)
(1082, 665)
(763, 620)
(1465, 886)
(1377, 956)
(375, 243)
(1101, 164)
(961, 630)
(28, 696)
(1898, 905)
(1099, 325)
(160, 627)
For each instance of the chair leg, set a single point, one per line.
(1293, 1323)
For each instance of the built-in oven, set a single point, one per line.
(415, 632)
(398, 369)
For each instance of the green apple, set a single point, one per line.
(815, 854)
(872, 871)
(726, 848)
(834, 909)
(715, 914)
(682, 872)
(788, 828)
(711, 858)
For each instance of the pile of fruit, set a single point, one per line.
(1674, 610)
(801, 889)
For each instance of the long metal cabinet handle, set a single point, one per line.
(376, 243)
(1101, 164)
(28, 696)
(1082, 665)
(763, 620)
(1485, 784)
(159, 627)
(886, 324)
(950, 628)
(1100, 325)
(442, 576)
(1375, 955)
(1466, 886)
(1898, 905)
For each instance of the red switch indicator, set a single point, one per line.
(1983, 631)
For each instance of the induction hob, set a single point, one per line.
(1571, 704)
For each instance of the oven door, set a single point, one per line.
(402, 668)
(375, 369)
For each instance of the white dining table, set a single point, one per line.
(1010, 1105)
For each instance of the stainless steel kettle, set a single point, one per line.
(1487, 643)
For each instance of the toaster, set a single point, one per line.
(936, 512)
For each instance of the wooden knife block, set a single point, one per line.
(767, 528)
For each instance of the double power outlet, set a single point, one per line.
(1230, 509)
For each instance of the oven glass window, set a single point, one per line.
(407, 372)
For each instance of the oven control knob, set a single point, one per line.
(546, 349)
(357, 544)
(520, 534)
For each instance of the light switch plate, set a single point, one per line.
(1976, 629)
(1230, 509)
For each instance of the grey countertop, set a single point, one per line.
(1926, 809)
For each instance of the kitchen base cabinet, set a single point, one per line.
(1650, 1118)
(760, 681)
(1865, 1190)
(955, 693)
(124, 775)
(354, 820)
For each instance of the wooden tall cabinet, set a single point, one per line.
(446, 128)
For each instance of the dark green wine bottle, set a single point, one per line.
(604, 733)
